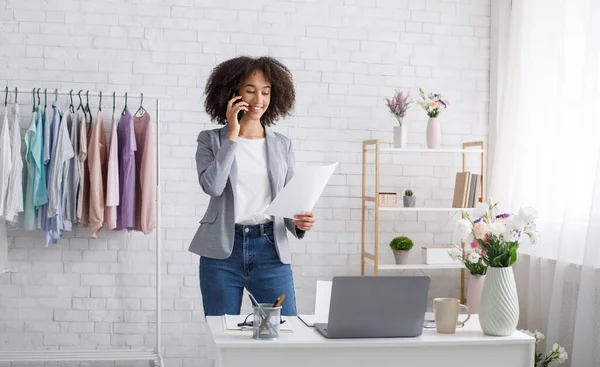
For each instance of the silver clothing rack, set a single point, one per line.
(104, 354)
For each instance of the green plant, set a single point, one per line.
(401, 243)
(408, 193)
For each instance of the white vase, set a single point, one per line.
(434, 133)
(474, 289)
(499, 307)
(400, 136)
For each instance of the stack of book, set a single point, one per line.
(467, 190)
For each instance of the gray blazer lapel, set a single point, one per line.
(273, 160)
(224, 133)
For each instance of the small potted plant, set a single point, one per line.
(409, 199)
(401, 245)
(398, 106)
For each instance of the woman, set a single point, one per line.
(242, 166)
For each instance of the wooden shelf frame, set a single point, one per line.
(478, 147)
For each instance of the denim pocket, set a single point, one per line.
(269, 237)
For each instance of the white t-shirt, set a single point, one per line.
(253, 194)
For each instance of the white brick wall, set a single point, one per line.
(346, 56)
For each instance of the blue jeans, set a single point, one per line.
(254, 265)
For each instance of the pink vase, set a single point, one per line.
(434, 133)
(474, 290)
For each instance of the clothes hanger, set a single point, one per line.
(100, 104)
(16, 94)
(71, 107)
(38, 97)
(141, 109)
(6, 98)
(80, 107)
(45, 97)
(114, 102)
(55, 95)
(33, 104)
(87, 101)
(124, 108)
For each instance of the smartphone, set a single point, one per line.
(241, 113)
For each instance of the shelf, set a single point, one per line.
(425, 150)
(420, 266)
(418, 209)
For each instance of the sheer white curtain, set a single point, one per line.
(546, 155)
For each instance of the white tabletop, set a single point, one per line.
(307, 337)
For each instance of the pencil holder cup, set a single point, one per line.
(266, 322)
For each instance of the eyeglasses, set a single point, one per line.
(250, 323)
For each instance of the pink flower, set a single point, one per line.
(480, 229)
(433, 104)
(475, 243)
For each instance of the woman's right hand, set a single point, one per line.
(233, 109)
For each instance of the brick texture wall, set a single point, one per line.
(345, 55)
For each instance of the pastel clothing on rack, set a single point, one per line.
(14, 196)
(71, 183)
(145, 214)
(5, 160)
(62, 151)
(41, 192)
(33, 172)
(127, 148)
(97, 169)
(112, 178)
(82, 215)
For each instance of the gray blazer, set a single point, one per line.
(217, 173)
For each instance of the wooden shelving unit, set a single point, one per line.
(370, 203)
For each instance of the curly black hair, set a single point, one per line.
(229, 75)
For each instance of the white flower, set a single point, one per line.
(528, 213)
(454, 253)
(562, 357)
(480, 210)
(463, 228)
(497, 228)
(510, 235)
(474, 257)
(538, 335)
(534, 238)
(516, 222)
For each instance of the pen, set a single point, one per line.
(277, 303)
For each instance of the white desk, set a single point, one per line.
(468, 347)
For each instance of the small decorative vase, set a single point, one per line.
(400, 136)
(434, 133)
(401, 257)
(409, 201)
(474, 290)
(499, 307)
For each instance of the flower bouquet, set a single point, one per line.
(433, 104)
(471, 257)
(558, 354)
(398, 106)
(498, 235)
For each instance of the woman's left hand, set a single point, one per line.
(304, 221)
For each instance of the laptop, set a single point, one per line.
(376, 307)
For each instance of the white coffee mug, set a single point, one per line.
(446, 314)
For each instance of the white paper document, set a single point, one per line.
(322, 301)
(302, 192)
